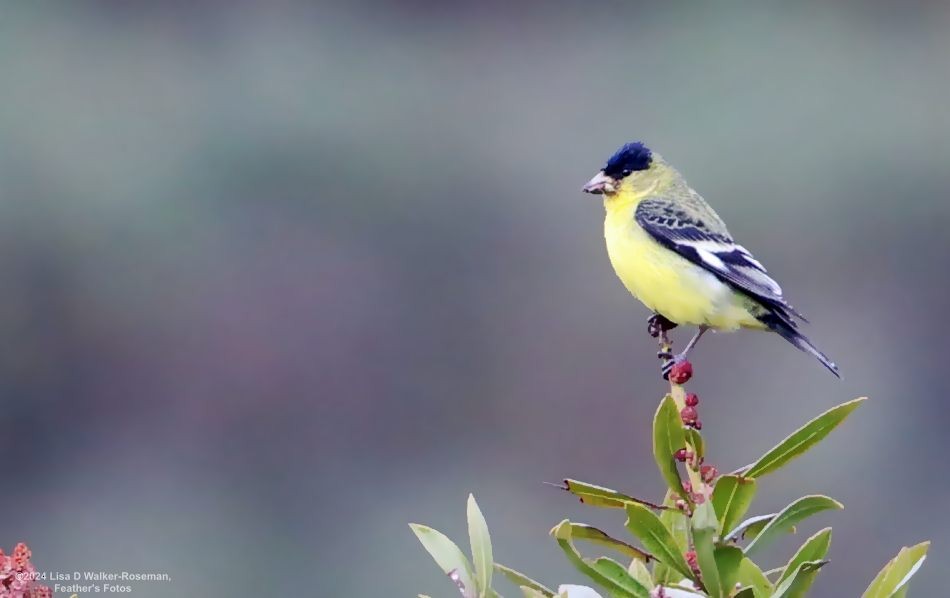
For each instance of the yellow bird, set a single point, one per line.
(674, 254)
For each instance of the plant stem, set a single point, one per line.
(679, 397)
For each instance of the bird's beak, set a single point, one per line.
(600, 184)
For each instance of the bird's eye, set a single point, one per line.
(627, 172)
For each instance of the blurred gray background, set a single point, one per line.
(279, 279)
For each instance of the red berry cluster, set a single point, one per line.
(708, 473)
(692, 561)
(697, 497)
(689, 414)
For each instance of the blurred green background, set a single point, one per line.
(278, 278)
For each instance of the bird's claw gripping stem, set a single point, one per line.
(658, 326)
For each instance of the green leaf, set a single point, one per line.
(529, 592)
(448, 556)
(481, 546)
(814, 549)
(601, 574)
(893, 578)
(728, 559)
(750, 575)
(598, 496)
(678, 525)
(789, 517)
(719, 565)
(797, 584)
(668, 437)
(731, 498)
(638, 570)
(522, 580)
(802, 439)
(695, 439)
(651, 532)
(704, 526)
(750, 528)
(619, 575)
(581, 531)
(747, 592)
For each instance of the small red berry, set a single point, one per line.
(698, 424)
(680, 504)
(681, 455)
(698, 497)
(687, 487)
(681, 372)
(691, 560)
(692, 400)
(688, 415)
(708, 472)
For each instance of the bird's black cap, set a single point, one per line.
(629, 158)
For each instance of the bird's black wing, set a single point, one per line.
(699, 235)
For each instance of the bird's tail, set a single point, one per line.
(789, 332)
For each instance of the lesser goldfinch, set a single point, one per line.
(674, 254)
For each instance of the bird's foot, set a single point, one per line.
(658, 325)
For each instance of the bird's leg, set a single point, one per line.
(657, 327)
(674, 359)
(692, 343)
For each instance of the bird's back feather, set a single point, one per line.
(688, 226)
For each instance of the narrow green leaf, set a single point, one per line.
(581, 531)
(750, 528)
(706, 558)
(893, 578)
(776, 572)
(789, 517)
(448, 556)
(481, 546)
(563, 533)
(522, 580)
(797, 584)
(619, 575)
(695, 439)
(731, 498)
(802, 439)
(651, 532)
(529, 592)
(668, 437)
(750, 575)
(598, 496)
(678, 525)
(704, 526)
(638, 570)
(814, 549)
(728, 559)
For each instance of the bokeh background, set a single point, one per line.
(278, 279)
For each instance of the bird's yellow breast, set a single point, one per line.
(667, 283)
